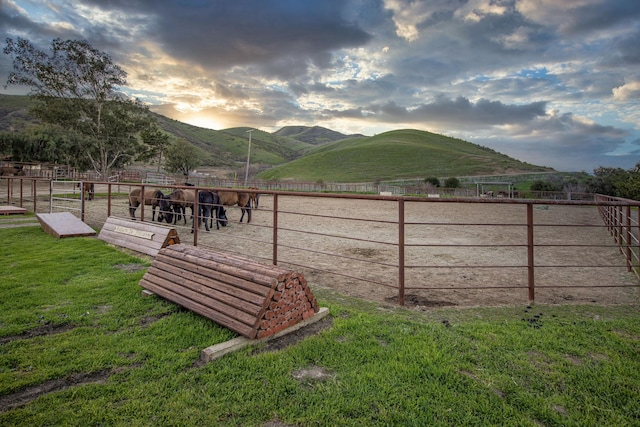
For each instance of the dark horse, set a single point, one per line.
(232, 198)
(178, 201)
(151, 197)
(209, 206)
(88, 188)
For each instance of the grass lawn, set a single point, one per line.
(80, 345)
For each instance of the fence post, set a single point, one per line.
(618, 225)
(628, 237)
(34, 191)
(142, 203)
(82, 200)
(195, 221)
(401, 251)
(530, 255)
(108, 200)
(275, 230)
(51, 196)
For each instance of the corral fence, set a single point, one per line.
(406, 245)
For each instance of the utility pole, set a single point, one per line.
(246, 172)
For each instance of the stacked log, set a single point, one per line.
(252, 299)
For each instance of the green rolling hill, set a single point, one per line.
(398, 154)
(313, 153)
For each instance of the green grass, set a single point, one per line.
(547, 365)
(395, 155)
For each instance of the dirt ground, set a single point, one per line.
(351, 246)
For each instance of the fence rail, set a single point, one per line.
(407, 245)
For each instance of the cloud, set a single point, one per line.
(539, 78)
(628, 91)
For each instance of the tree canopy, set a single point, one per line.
(77, 88)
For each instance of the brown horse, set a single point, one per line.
(17, 170)
(255, 197)
(233, 198)
(151, 197)
(179, 200)
(88, 188)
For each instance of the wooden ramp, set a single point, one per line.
(12, 210)
(64, 224)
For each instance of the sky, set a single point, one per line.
(550, 82)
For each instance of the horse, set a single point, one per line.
(232, 198)
(151, 197)
(88, 188)
(17, 170)
(208, 207)
(179, 200)
(255, 197)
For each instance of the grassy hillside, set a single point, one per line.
(315, 135)
(14, 113)
(315, 153)
(268, 148)
(398, 154)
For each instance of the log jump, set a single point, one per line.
(255, 300)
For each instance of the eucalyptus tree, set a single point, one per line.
(183, 157)
(77, 87)
(156, 142)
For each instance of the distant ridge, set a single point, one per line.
(315, 135)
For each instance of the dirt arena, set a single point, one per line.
(351, 246)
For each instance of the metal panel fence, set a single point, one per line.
(444, 249)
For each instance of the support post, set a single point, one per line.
(401, 252)
(530, 254)
(275, 230)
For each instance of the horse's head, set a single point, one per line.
(222, 216)
(165, 210)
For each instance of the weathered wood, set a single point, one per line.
(64, 224)
(145, 237)
(215, 269)
(252, 299)
(242, 300)
(238, 287)
(12, 210)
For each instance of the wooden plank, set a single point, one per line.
(257, 285)
(12, 210)
(191, 293)
(144, 237)
(229, 288)
(225, 321)
(203, 259)
(235, 261)
(210, 290)
(64, 224)
(216, 351)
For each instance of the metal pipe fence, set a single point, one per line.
(403, 245)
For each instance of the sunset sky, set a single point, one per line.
(550, 82)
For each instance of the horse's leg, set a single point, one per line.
(132, 210)
(247, 209)
(206, 216)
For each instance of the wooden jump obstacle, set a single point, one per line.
(12, 210)
(145, 237)
(64, 224)
(252, 299)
